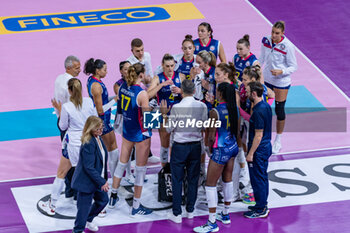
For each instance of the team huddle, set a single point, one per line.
(238, 94)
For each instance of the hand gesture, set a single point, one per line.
(175, 90)
(57, 105)
(209, 98)
(164, 109)
(105, 187)
(205, 84)
(168, 82)
(249, 157)
(276, 72)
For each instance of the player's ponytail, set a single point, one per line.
(207, 57)
(91, 65)
(244, 40)
(133, 73)
(228, 93)
(74, 85)
(280, 24)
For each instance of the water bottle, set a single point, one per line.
(211, 89)
(171, 87)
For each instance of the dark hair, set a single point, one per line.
(189, 39)
(122, 63)
(228, 93)
(91, 65)
(167, 57)
(137, 42)
(208, 57)
(208, 27)
(253, 72)
(280, 24)
(74, 85)
(228, 68)
(244, 40)
(133, 73)
(187, 87)
(256, 87)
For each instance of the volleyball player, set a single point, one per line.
(279, 61)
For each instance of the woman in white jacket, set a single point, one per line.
(279, 61)
(73, 115)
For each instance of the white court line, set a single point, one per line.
(155, 166)
(302, 54)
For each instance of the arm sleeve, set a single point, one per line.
(64, 118)
(89, 157)
(108, 105)
(291, 61)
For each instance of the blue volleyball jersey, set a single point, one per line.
(92, 80)
(223, 134)
(265, 99)
(165, 92)
(212, 46)
(132, 113)
(241, 64)
(210, 77)
(185, 67)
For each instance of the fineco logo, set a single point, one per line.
(95, 18)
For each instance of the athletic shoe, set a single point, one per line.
(208, 227)
(102, 214)
(224, 218)
(252, 207)
(277, 146)
(249, 199)
(113, 200)
(189, 215)
(256, 214)
(153, 159)
(91, 226)
(175, 219)
(47, 207)
(141, 211)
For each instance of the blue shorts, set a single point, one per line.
(272, 86)
(107, 127)
(65, 152)
(221, 155)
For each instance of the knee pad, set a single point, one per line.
(119, 171)
(228, 191)
(140, 173)
(113, 160)
(164, 154)
(279, 109)
(212, 196)
(240, 155)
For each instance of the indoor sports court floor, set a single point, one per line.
(309, 179)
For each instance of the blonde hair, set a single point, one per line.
(91, 124)
(208, 57)
(74, 85)
(133, 73)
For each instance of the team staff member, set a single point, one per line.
(278, 58)
(186, 149)
(207, 43)
(132, 101)
(99, 94)
(223, 144)
(90, 176)
(72, 66)
(259, 150)
(161, 86)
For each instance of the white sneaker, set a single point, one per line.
(91, 226)
(277, 146)
(189, 215)
(102, 214)
(128, 181)
(175, 219)
(47, 207)
(153, 159)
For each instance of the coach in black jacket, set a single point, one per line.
(90, 176)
